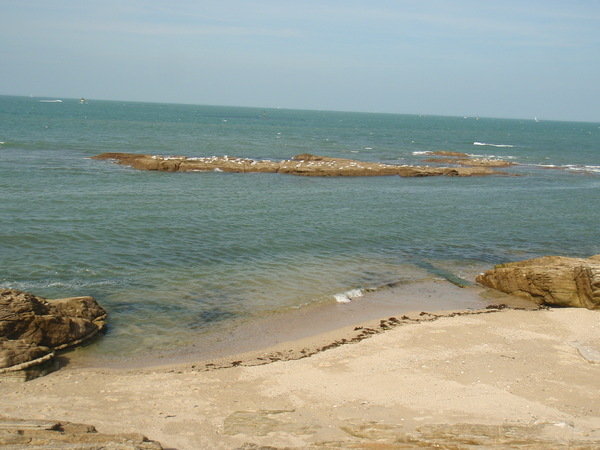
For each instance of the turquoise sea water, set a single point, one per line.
(173, 256)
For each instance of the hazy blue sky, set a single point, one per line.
(503, 58)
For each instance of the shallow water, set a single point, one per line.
(173, 256)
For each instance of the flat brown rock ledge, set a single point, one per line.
(21, 434)
(550, 280)
(463, 159)
(483, 162)
(304, 164)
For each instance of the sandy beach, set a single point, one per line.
(463, 379)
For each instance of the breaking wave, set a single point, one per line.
(493, 145)
(578, 168)
(347, 297)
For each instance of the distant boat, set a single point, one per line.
(82, 100)
(536, 119)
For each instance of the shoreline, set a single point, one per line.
(304, 347)
(485, 378)
(330, 319)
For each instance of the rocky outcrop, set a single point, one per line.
(305, 164)
(463, 159)
(538, 436)
(32, 328)
(482, 162)
(550, 280)
(47, 434)
(448, 153)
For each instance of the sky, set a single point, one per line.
(508, 58)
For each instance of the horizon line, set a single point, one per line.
(464, 116)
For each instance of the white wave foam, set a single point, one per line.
(471, 155)
(493, 145)
(572, 168)
(580, 168)
(421, 153)
(346, 297)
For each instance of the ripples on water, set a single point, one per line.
(176, 255)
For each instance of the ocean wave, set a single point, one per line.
(348, 296)
(493, 145)
(474, 155)
(582, 168)
(572, 168)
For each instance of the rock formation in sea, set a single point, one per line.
(448, 153)
(33, 328)
(304, 164)
(481, 162)
(464, 159)
(550, 280)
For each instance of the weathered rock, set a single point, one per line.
(448, 153)
(19, 352)
(481, 162)
(543, 435)
(550, 280)
(305, 164)
(263, 422)
(21, 434)
(31, 327)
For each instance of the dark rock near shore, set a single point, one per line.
(32, 328)
(19, 351)
(550, 280)
(47, 434)
(304, 164)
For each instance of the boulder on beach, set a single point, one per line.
(550, 280)
(32, 327)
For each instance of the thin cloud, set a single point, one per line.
(161, 29)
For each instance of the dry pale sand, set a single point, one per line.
(490, 379)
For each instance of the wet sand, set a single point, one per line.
(464, 378)
(255, 334)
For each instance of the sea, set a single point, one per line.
(182, 258)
